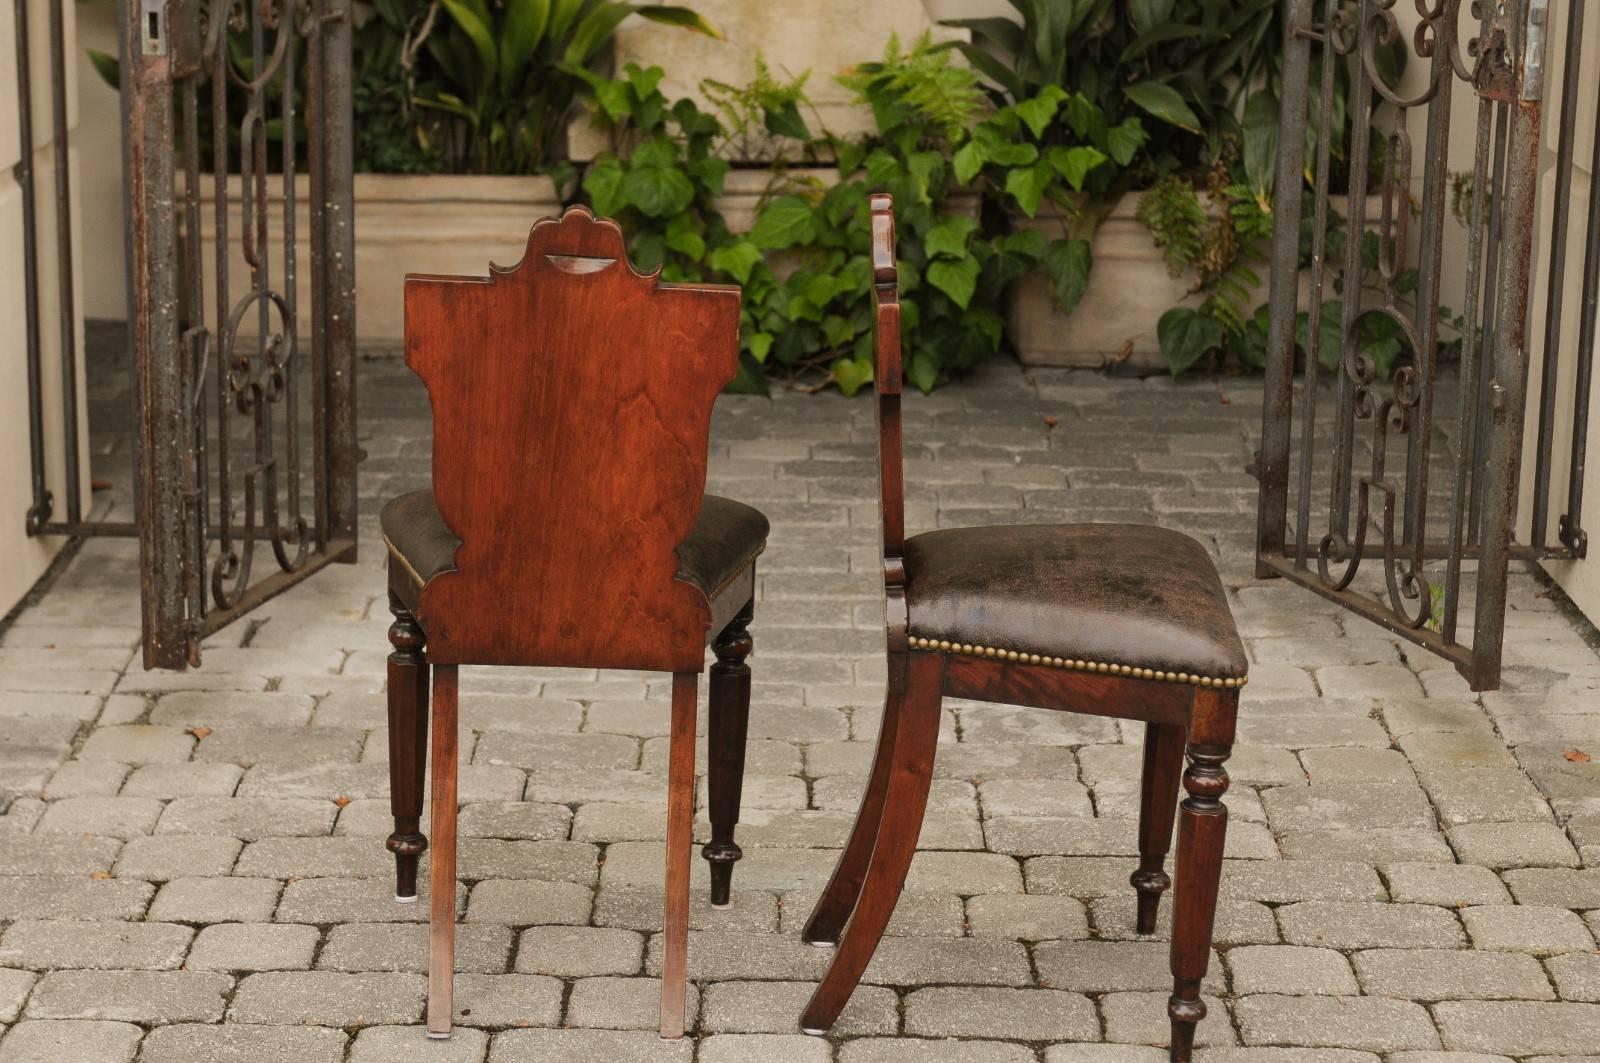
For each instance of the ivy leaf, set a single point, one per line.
(682, 238)
(1085, 118)
(1074, 164)
(785, 121)
(1030, 242)
(923, 371)
(958, 279)
(949, 237)
(1124, 140)
(1163, 102)
(1068, 262)
(1041, 110)
(644, 81)
(969, 160)
(760, 344)
(1027, 185)
(737, 261)
(658, 191)
(1186, 335)
(852, 374)
(786, 221)
(603, 182)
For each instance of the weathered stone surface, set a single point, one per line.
(1374, 1024)
(1445, 974)
(243, 1043)
(70, 1041)
(147, 997)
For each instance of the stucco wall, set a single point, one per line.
(26, 558)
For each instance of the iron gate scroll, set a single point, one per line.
(246, 396)
(1403, 506)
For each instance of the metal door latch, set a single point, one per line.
(1533, 49)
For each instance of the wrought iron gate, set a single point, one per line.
(1365, 523)
(245, 388)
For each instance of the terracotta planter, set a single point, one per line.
(404, 224)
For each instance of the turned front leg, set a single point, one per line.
(1202, 827)
(729, 724)
(408, 739)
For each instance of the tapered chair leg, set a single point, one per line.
(1158, 804)
(680, 845)
(442, 881)
(408, 736)
(839, 897)
(1202, 831)
(905, 801)
(728, 725)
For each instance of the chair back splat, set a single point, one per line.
(572, 404)
(891, 461)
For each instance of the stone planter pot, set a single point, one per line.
(1130, 288)
(404, 224)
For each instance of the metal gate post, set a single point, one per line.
(1273, 461)
(340, 272)
(153, 321)
(1508, 350)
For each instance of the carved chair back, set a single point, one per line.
(572, 403)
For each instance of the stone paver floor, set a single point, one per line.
(194, 868)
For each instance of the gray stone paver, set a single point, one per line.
(195, 870)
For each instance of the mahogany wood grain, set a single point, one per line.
(905, 801)
(1040, 686)
(839, 897)
(887, 383)
(408, 737)
(442, 880)
(680, 845)
(728, 724)
(1158, 805)
(572, 402)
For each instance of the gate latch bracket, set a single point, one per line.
(153, 27)
(1533, 49)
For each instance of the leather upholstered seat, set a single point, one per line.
(1080, 595)
(727, 538)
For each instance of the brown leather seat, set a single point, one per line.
(1105, 594)
(726, 539)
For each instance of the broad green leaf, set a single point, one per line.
(682, 238)
(1027, 185)
(821, 289)
(1148, 14)
(593, 30)
(1086, 119)
(1124, 140)
(1074, 164)
(1163, 102)
(785, 121)
(737, 261)
(1186, 335)
(1040, 111)
(1068, 262)
(658, 191)
(482, 37)
(1029, 242)
(603, 182)
(786, 221)
(923, 371)
(852, 374)
(682, 17)
(968, 161)
(958, 279)
(949, 237)
(644, 81)
(760, 344)
(520, 35)
(107, 66)
(1261, 140)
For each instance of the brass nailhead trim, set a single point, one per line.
(1102, 667)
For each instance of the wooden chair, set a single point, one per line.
(567, 526)
(1128, 621)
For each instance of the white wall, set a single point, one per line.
(24, 558)
(1580, 579)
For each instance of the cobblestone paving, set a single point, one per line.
(195, 870)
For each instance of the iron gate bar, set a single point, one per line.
(43, 507)
(1500, 60)
(1558, 260)
(1571, 527)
